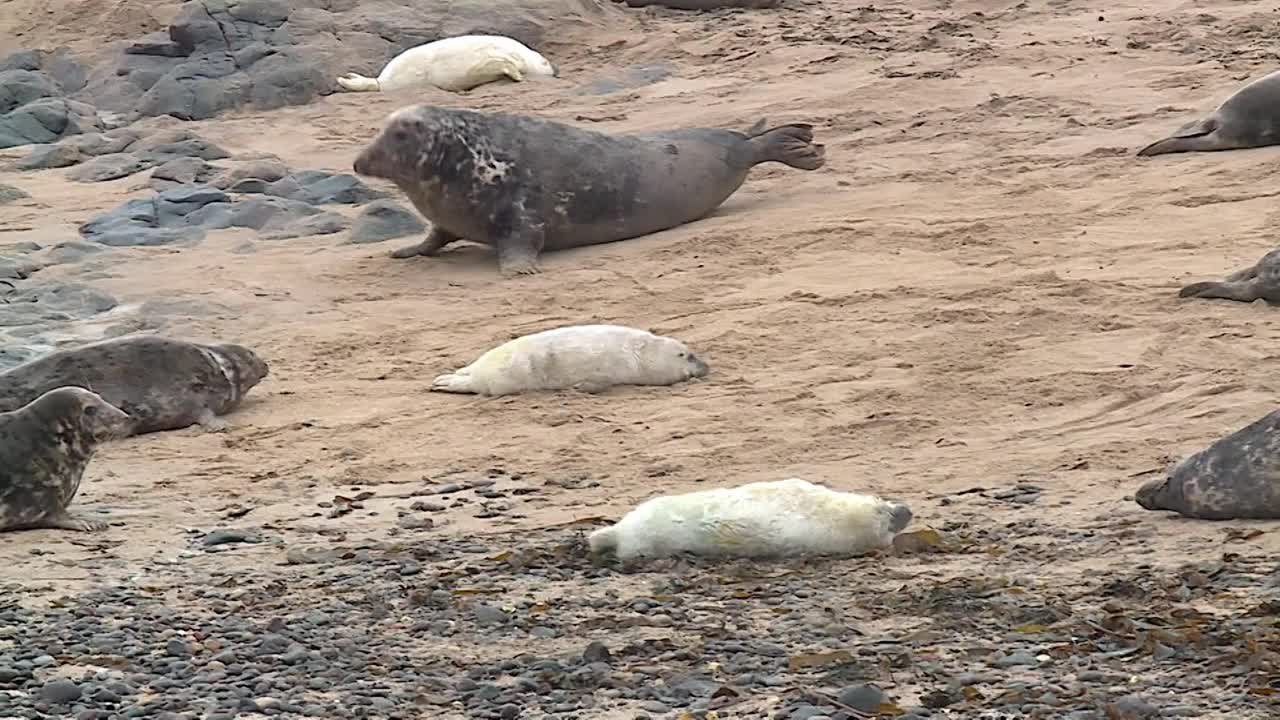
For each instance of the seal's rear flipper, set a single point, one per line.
(353, 82)
(790, 145)
(1197, 136)
(453, 383)
(1240, 291)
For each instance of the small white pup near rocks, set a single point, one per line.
(774, 519)
(589, 358)
(454, 64)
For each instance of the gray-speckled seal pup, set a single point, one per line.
(1235, 478)
(44, 448)
(1260, 281)
(523, 184)
(1250, 118)
(164, 384)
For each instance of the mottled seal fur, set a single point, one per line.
(1250, 118)
(523, 184)
(1260, 281)
(1235, 478)
(782, 518)
(454, 64)
(45, 447)
(162, 383)
(590, 358)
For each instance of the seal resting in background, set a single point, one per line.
(1260, 281)
(781, 518)
(162, 383)
(590, 358)
(454, 64)
(523, 185)
(44, 448)
(1249, 118)
(1235, 478)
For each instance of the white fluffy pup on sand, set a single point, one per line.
(454, 64)
(590, 358)
(780, 518)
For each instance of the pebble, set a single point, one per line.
(60, 691)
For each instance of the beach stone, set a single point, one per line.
(44, 157)
(60, 691)
(180, 171)
(9, 193)
(109, 167)
(325, 223)
(46, 120)
(384, 220)
(317, 187)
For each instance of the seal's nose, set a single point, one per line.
(700, 367)
(899, 516)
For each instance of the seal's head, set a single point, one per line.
(243, 368)
(81, 414)
(899, 515)
(672, 359)
(540, 66)
(404, 147)
(1156, 494)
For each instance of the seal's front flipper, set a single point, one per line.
(454, 382)
(211, 422)
(790, 145)
(67, 521)
(436, 241)
(1239, 291)
(518, 250)
(1195, 136)
(353, 82)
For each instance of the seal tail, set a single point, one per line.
(602, 540)
(354, 82)
(1240, 291)
(790, 145)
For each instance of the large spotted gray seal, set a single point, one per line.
(1249, 118)
(1260, 281)
(1235, 478)
(45, 447)
(522, 184)
(162, 383)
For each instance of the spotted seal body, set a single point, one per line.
(454, 64)
(590, 358)
(164, 384)
(706, 4)
(522, 184)
(45, 447)
(1235, 478)
(783, 518)
(1250, 118)
(1260, 281)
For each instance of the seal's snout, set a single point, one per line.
(1148, 496)
(900, 516)
(698, 365)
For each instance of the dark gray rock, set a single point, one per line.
(17, 268)
(255, 174)
(19, 87)
(325, 223)
(67, 75)
(384, 220)
(51, 302)
(72, 251)
(109, 167)
(256, 213)
(9, 193)
(45, 121)
(317, 187)
(44, 157)
(93, 144)
(60, 691)
(181, 171)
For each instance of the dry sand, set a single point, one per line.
(978, 290)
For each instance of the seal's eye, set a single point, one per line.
(90, 410)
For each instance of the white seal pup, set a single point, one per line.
(774, 519)
(590, 358)
(45, 447)
(162, 383)
(1249, 118)
(455, 64)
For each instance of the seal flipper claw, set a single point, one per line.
(518, 251)
(210, 421)
(790, 145)
(67, 521)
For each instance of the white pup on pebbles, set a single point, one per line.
(590, 358)
(781, 518)
(454, 64)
